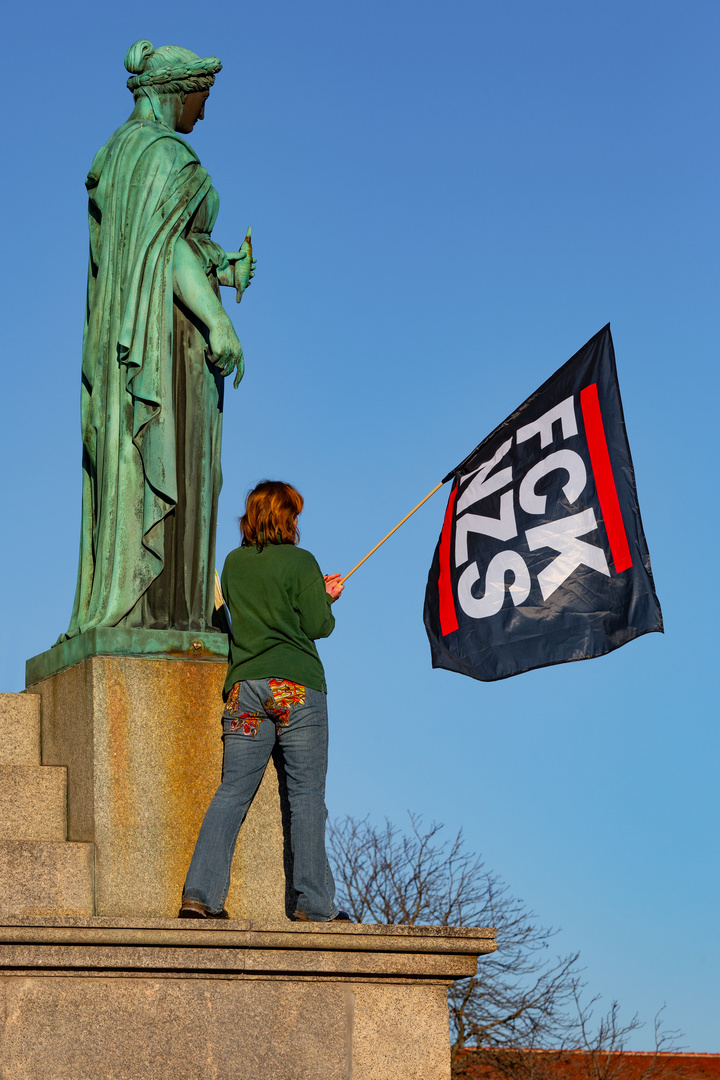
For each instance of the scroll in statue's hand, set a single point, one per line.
(245, 265)
(239, 268)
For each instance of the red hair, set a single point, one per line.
(271, 511)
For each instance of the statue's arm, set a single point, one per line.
(192, 287)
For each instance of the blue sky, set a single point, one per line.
(447, 201)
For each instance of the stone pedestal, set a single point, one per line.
(131, 993)
(122, 999)
(140, 739)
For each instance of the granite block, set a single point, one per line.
(399, 1032)
(33, 803)
(19, 729)
(45, 878)
(141, 741)
(88, 998)
(149, 1029)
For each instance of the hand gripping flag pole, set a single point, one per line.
(387, 537)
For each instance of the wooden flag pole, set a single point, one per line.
(344, 579)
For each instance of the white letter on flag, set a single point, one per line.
(568, 460)
(481, 486)
(502, 528)
(494, 596)
(564, 412)
(563, 536)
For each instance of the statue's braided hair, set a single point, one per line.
(169, 69)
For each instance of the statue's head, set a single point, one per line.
(169, 69)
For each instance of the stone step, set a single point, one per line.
(46, 879)
(20, 729)
(33, 802)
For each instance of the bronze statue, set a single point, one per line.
(156, 347)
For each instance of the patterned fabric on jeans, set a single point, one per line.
(246, 722)
(284, 693)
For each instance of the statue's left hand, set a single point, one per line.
(239, 272)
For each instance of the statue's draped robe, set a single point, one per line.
(151, 403)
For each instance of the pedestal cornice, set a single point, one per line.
(111, 641)
(240, 949)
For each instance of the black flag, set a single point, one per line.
(542, 556)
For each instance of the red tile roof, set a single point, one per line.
(471, 1064)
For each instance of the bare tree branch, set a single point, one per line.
(524, 1010)
(520, 994)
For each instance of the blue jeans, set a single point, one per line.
(259, 712)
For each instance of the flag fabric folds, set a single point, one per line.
(542, 556)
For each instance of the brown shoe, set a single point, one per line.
(193, 909)
(342, 916)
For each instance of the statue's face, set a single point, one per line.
(192, 111)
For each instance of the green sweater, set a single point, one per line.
(278, 606)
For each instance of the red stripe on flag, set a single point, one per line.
(604, 479)
(446, 601)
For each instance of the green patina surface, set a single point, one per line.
(156, 348)
(110, 641)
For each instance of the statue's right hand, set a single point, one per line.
(226, 349)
